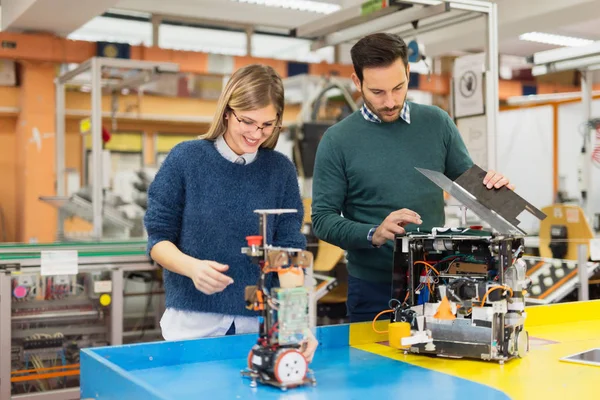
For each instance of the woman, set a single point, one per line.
(201, 208)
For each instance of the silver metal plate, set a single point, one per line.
(496, 221)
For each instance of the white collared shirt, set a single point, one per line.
(224, 149)
(182, 325)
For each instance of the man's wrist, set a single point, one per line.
(371, 234)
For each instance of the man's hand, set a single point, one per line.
(394, 224)
(208, 276)
(309, 346)
(496, 180)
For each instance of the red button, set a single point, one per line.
(254, 240)
(476, 227)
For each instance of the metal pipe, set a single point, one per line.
(5, 332)
(137, 64)
(156, 21)
(116, 314)
(582, 271)
(380, 24)
(492, 84)
(97, 183)
(69, 75)
(60, 152)
(96, 248)
(56, 315)
(587, 80)
(434, 26)
(249, 33)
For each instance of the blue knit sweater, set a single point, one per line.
(205, 204)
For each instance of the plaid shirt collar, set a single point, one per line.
(371, 117)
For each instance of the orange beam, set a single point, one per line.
(45, 47)
(36, 221)
(508, 89)
(436, 84)
(555, 150)
(547, 88)
(324, 69)
(279, 65)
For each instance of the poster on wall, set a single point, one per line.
(474, 133)
(468, 85)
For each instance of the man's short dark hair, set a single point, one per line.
(378, 50)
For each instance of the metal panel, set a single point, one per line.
(460, 333)
(5, 341)
(63, 394)
(456, 191)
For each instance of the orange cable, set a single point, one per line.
(375, 319)
(492, 289)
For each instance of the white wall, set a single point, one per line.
(525, 156)
(570, 126)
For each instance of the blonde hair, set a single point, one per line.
(250, 88)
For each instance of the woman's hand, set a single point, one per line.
(309, 346)
(208, 276)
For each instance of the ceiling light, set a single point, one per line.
(300, 5)
(558, 40)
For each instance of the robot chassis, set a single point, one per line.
(276, 359)
(483, 287)
(463, 289)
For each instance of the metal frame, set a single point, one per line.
(95, 66)
(117, 265)
(586, 59)
(342, 27)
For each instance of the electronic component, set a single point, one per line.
(276, 359)
(463, 289)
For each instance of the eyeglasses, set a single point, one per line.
(249, 126)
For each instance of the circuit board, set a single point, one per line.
(292, 314)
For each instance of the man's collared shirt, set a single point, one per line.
(371, 117)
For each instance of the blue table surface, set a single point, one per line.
(343, 372)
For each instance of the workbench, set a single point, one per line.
(354, 362)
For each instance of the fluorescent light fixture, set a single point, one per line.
(129, 13)
(566, 53)
(592, 63)
(545, 98)
(557, 40)
(319, 7)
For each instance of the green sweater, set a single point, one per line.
(365, 170)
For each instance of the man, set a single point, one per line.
(365, 170)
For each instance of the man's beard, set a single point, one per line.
(378, 112)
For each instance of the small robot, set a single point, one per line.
(276, 359)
